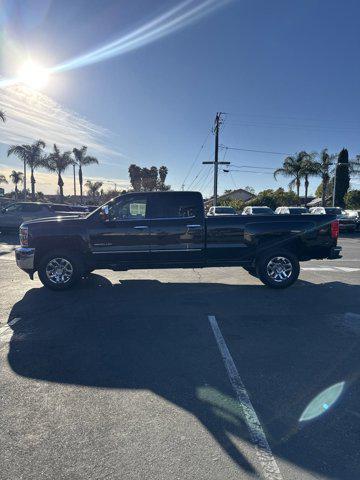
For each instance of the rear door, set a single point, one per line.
(177, 228)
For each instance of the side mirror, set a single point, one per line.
(104, 213)
(3, 210)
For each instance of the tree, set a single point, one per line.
(342, 182)
(324, 170)
(2, 116)
(163, 171)
(291, 168)
(32, 156)
(58, 162)
(135, 177)
(352, 199)
(93, 188)
(16, 178)
(3, 179)
(83, 160)
(274, 198)
(309, 168)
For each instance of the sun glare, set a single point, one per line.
(33, 75)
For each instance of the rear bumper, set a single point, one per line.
(335, 253)
(25, 258)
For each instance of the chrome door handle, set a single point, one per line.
(141, 227)
(193, 226)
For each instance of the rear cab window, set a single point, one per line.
(176, 206)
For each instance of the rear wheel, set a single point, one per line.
(59, 270)
(278, 270)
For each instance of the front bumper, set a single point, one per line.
(25, 258)
(335, 253)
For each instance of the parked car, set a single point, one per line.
(291, 210)
(170, 230)
(221, 211)
(355, 214)
(345, 222)
(14, 214)
(257, 211)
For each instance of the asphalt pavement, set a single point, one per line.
(181, 374)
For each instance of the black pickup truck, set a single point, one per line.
(170, 230)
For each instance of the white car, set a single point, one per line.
(291, 210)
(258, 211)
(221, 211)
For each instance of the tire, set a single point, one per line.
(251, 271)
(68, 274)
(279, 269)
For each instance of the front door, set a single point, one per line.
(125, 237)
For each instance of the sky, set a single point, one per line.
(138, 84)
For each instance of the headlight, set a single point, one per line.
(24, 236)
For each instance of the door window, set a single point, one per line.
(174, 206)
(15, 207)
(128, 208)
(31, 207)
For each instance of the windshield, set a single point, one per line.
(297, 211)
(225, 210)
(333, 211)
(259, 210)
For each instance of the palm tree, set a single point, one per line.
(82, 160)
(32, 156)
(93, 188)
(3, 179)
(2, 116)
(163, 171)
(292, 168)
(135, 174)
(309, 168)
(324, 170)
(58, 162)
(16, 178)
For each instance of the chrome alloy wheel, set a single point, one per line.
(59, 270)
(279, 269)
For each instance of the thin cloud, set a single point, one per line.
(32, 115)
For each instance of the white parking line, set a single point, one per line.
(330, 269)
(270, 469)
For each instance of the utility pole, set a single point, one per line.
(24, 181)
(74, 172)
(216, 162)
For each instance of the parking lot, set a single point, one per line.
(181, 374)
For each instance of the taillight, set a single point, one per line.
(335, 229)
(24, 236)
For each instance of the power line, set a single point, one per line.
(196, 158)
(250, 166)
(201, 182)
(291, 118)
(196, 176)
(298, 126)
(254, 151)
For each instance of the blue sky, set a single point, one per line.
(287, 73)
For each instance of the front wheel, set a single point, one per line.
(59, 270)
(278, 270)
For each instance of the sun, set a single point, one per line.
(33, 75)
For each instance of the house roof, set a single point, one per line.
(229, 194)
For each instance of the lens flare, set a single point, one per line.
(174, 19)
(322, 402)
